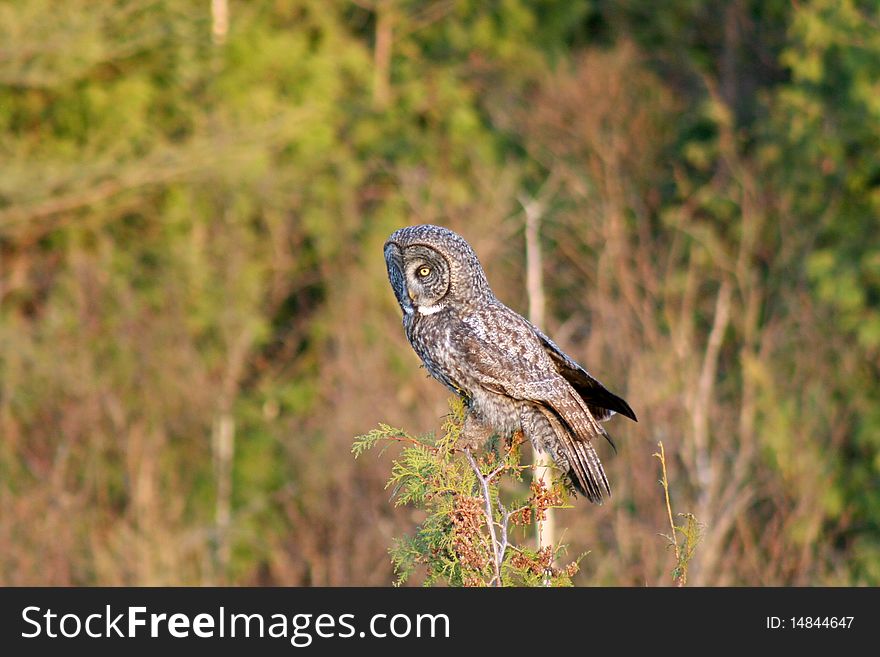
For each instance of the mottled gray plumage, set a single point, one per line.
(512, 376)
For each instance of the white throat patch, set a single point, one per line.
(430, 310)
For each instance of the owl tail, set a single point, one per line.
(587, 474)
(577, 457)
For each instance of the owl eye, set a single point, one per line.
(424, 271)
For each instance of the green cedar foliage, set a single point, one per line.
(467, 537)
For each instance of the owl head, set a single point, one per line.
(431, 268)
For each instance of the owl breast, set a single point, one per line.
(436, 340)
(431, 337)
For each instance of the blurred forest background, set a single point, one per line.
(195, 318)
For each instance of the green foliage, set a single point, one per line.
(692, 531)
(692, 534)
(465, 537)
(827, 122)
(829, 116)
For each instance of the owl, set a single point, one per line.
(510, 375)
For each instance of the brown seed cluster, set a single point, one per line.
(541, 563)
(468, 542)
(472, 580)
(541, 499)
(489, 459)
(522, 516)
(525, 561)
(538, 563)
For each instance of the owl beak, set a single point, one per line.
(394, 262)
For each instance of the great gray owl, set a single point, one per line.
(511, 376)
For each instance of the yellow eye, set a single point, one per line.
(424, 271)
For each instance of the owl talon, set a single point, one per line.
(474, 434)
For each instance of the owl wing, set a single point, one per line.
(517, 367)
(602, 402)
